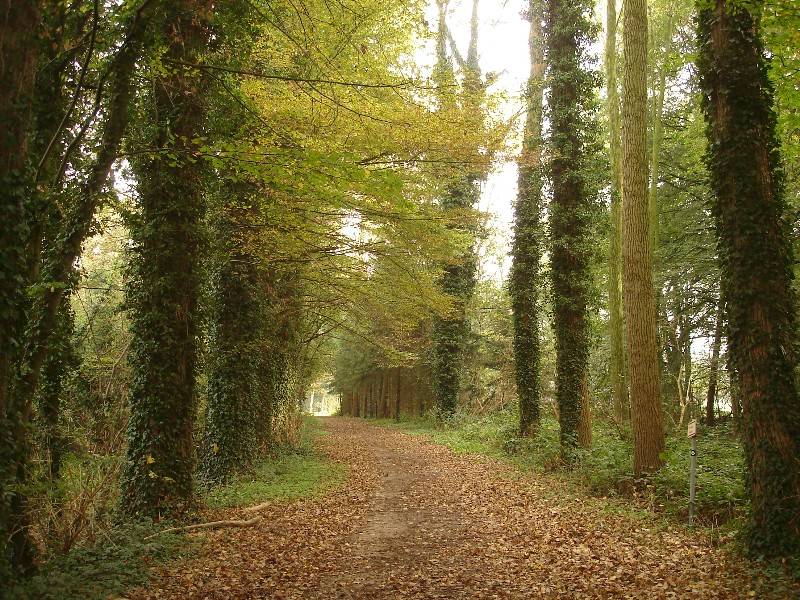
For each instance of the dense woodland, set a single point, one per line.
(207, 208)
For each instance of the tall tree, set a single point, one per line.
(619, 383)
(20, 23)
(163, 294)
(527, 246)
(757, 260)
(569, 34)
(458, 280)
(639, 299)
(236, 316)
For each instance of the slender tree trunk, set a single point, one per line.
(640, 308)
(585, 422)
(757, 261)
(658, 133)
(20, 21)
(619, 383)
(713, 369)
(526, 250)
(66, 247)
(158, 474)
(571, 86)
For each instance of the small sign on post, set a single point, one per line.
(692, 434)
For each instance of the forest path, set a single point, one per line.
(415, 520)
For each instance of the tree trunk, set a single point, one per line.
(658, 128)
(526, 250)
(20, 22)
(640, 308)
(458, 281)
(757, 261)
(571, 87)
(158, 474)
(619, 384)
(713, 369)
(231, 437)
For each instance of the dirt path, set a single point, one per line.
(416, 521)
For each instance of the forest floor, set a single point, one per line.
(415, 520)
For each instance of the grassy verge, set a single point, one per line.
(606, 469)
(119, 558)
(298, 472)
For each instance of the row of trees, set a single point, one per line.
(274, 171)
(748, 206)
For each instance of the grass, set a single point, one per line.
(606, 469)
(295, 473)
(120, 559)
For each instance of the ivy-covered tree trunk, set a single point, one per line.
(568, 34)
(528, 231)
(757, 262)
(619, 384)
(58, 274)
(278, 356)
(60, 359)
(158, 473)
(639, 298)
(458, 281)
(231, 420)
(20, 21)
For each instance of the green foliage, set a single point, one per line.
(107, 569)
(290, 473)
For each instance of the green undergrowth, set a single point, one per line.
(120, 558)
(106, 569)
(293, 473)
(606, 469)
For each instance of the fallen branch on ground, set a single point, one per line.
(210, 525)
(257, 507)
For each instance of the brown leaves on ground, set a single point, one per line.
(416, 521)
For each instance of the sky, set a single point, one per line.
(503, 50)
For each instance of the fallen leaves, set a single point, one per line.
(416, 521)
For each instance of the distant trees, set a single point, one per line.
(617, 369)
(757, 260)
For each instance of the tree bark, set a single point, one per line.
(757, 262)
(619, 383)
(20, 22)
(158, 474)
(639, 300)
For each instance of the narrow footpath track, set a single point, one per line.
(415, 520)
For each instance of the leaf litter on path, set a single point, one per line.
(415, 520)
